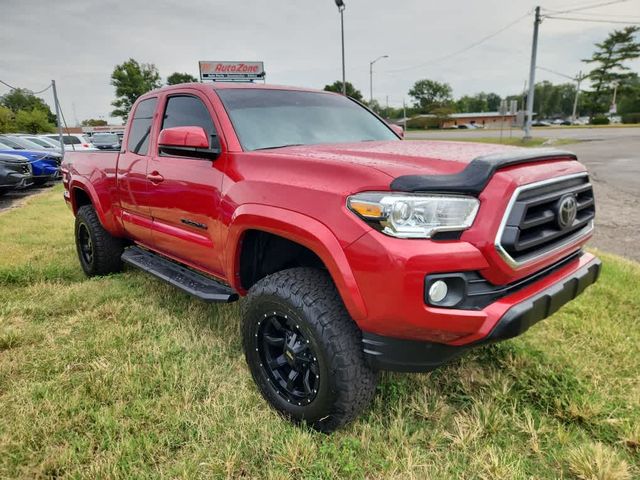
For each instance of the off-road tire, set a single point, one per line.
(106, 249)
(310, 301)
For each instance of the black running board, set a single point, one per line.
(187, 280)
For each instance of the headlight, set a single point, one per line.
(414, 215)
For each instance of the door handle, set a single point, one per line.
(155, 177)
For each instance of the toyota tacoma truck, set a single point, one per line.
(355, 251)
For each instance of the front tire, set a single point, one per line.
(98, 251)
(304, 351)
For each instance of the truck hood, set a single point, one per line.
(396, 158)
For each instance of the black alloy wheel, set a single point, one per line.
(287, 358)
(85, 244)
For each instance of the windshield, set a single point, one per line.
(277, 118)
(105, 138)
(40, 142)
(26, 143)
(11, 143)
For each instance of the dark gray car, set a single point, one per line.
(15, 173)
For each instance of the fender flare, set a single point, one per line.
(107, 219)
(301, 229)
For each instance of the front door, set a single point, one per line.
(185, 192)
(132, 181)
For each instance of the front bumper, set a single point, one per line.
(387, 353)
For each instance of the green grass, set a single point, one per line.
(123, 377)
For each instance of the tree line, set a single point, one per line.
(610, 73)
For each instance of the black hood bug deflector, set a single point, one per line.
(477, 173)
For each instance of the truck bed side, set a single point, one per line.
(90, 178)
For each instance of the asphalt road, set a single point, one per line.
(614, 166)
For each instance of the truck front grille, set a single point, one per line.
(545, 216)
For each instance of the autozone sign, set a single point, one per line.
(231, 71)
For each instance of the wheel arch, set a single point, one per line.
(301, 230)
(83, 193)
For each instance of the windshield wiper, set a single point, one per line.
(281, 146)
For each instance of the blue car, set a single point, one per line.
(45, 165)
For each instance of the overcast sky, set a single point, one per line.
(78, 42)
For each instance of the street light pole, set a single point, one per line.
(371, 77)
(341, 6)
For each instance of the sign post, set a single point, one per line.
(231, 71)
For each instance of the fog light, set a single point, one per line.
(438, 291)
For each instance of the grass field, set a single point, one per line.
(123, 377)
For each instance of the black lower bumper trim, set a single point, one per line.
(387, 353)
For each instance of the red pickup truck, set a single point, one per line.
(356, 251)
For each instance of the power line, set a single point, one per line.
(462, 50)
(587, 7)
(5, 83)
(575, 19)
(557, 73)
(16, 88)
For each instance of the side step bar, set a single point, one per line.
(189, 281)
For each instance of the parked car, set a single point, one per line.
(105, 141)
(43, 142)
(15, 173)
(45, 166)
(540, 123)
(73, 142)
(20, 143)
(356, 251)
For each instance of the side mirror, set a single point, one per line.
(397, 129)
(188, 141)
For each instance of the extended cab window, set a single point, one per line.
(187, 111)
(140, 129)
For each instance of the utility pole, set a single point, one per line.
(579, 79)
(614, 107)
(371, 77)
(341, 6)
(58, 116)
(404, 114)
(532, 75)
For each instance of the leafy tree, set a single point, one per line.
(630, 96)
(93, 122)
(6, 120)
(480, 102)
(493, 102)
(352, 91)
(430, 94)
(22, 99)
(177, 77)
(610, 57)
(131, 80)
(33, 121)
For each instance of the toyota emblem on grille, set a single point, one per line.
(567, 210)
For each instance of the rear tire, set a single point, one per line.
(98, 251)
(304, 351)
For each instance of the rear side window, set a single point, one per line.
(70, 140)
(140, 128)
(187, 111)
